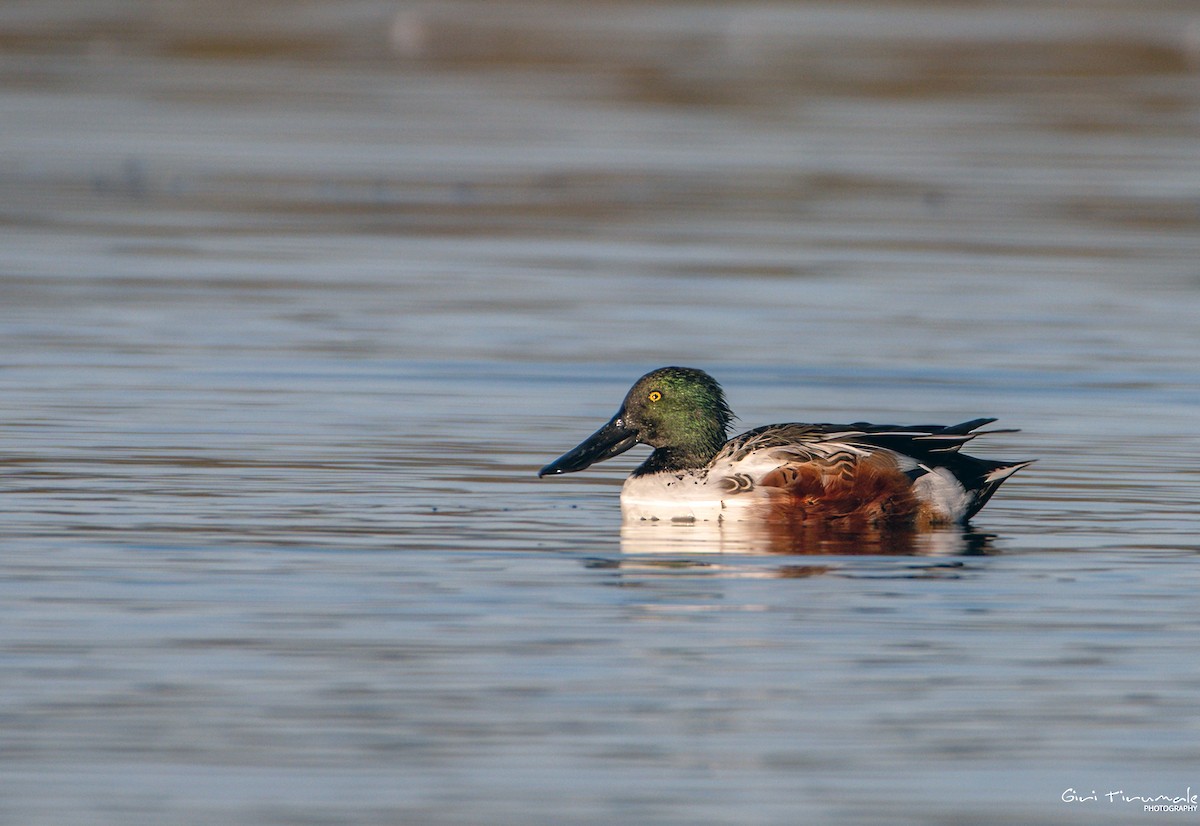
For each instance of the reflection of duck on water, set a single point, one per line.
(777, 536)
(855, 475)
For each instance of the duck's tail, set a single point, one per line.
(984, 479)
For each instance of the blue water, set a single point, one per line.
(294, 301)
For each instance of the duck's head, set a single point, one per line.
(679, 411)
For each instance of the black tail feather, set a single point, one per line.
(988, 478)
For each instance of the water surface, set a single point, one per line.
(296, 298)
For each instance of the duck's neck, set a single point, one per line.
(691, 445)
(675, 459)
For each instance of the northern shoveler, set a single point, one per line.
(853, 473)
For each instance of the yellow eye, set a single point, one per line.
(655, 395)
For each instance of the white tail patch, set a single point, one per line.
(943, 493)
(1001, 473)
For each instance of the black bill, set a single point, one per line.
(611, 440)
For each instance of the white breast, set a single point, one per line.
(683, 496)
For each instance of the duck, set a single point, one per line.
(844, 474)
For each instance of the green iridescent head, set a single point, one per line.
(679, 411)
